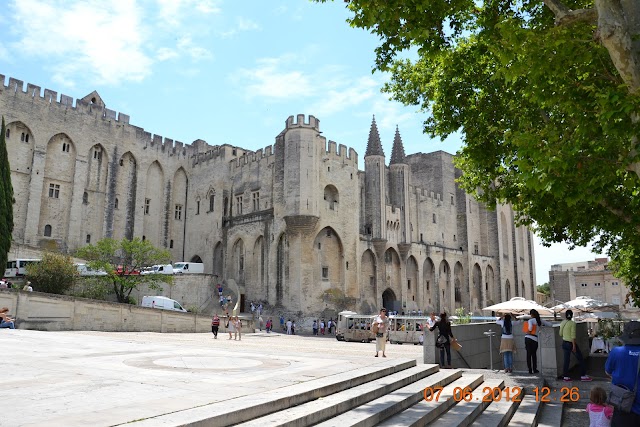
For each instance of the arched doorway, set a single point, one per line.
(389, 300)
(196, 258)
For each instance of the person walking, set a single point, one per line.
(322, 326)
(569, 345)
(623, 366)
(507, 343)
(315, 327)
(215, 324)
(289, 327)
(380, 327)
(238, 328)
(282, 323)
(231, 326)
(443, 341)
(531, 328)
(269, 325)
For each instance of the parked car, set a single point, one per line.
(120, 270)
(158, 269)
(162, 303)
(85, 270)
(188, 268)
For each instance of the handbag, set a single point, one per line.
(620, 397)
(456, 345)
(441, 340)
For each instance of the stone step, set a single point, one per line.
(425, 412)
(498, 413)
(463, 413)
(378, 410)
(328, 407)
(245, 408)
(551, 415)
(528, 412)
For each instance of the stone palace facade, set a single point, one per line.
(287, 222)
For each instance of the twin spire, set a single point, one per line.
(374, 146)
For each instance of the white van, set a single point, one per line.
(159, 269)
(188, 268)
(85, 270)
(163, 303)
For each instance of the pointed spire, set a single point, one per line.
(374, 146)
(397, 152)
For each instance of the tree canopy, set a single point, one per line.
(123, 260)
(546, 96)
(6, 199)
(55, 273)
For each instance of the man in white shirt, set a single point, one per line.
(432, 320)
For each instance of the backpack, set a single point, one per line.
(507, 331)
(525, 328)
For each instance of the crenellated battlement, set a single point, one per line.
(342, 154)
(424, 194)
(33, 93)
(313, 123)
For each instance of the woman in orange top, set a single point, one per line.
(530, 329)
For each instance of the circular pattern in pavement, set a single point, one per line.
(207, 362)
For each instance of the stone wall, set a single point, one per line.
(475, 348)
(48, 312)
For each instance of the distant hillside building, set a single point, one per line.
(589, 278)
(287, 222)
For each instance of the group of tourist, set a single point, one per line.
(7, 284)
(232, 323)
(322, 327)
(531, 328)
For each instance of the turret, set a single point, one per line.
(399, 184)
(374, 166)
(303, 146)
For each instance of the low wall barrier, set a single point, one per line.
(475, 352)
(50, 312)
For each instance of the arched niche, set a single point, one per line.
(430, 286)
(368, 282)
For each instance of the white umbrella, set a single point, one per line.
(586, 305)
(518, 305)
(594, 317)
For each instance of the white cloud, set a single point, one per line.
(88, 38)
(328, 90)
(185, 44)
(339, 94)
(174, 12)
(245, 24)
(241, 24)
(270, 80)
(164, 53)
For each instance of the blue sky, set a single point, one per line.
(223, 71)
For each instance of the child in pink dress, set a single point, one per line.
(599, 412)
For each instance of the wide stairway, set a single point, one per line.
(391, 393)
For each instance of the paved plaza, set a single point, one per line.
(113, 378)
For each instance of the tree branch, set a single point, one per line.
(618, 213)
(566, 16)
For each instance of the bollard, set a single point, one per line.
(490, 334)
